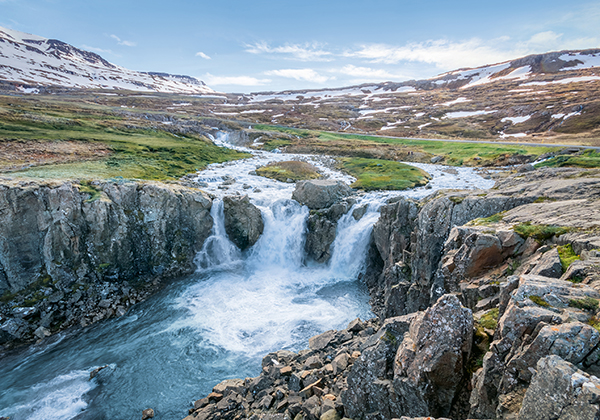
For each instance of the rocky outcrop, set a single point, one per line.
(560, 391)
(320, 193)
(321, 230)
(73, 253)
(540, 319)
(529, 350)
(243, 221)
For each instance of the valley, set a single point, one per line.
(380, 251)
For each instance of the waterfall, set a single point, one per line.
(217, 250)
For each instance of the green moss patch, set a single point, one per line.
(567, 256)
(539, 232)
(484, 221)
(587, 159)
(379, 174)
(292, 170)
(587, 303)
(490, 319)
(538, 300)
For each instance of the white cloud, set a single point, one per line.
(442, 53)
(123, 42)
(201, 54)
(300, 52)
(212, 80)
(96, 50)
(368, 74)
(308, 75)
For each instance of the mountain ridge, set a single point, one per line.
(35, 61)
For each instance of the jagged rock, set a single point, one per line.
(320, 194)
(321, 341)
(549, 265)
(433, 354)
(529, 329)
(560, 391)
(320, 236)
(243, 221)
(147, 414)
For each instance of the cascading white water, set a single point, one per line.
(349, 254)
(217, 249)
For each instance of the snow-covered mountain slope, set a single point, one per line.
(35, 61)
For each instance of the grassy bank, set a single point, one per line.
(289, 170)
(377, 174)
(452, 153)
(95, 142)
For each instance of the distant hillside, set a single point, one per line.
(542, 95)
(34, 61)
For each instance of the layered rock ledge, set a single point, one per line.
(72, 253)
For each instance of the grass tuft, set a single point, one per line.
(567, 256)
(292, 170)
(587, 303)
(379, 174)
(539, 232)
(538, 300)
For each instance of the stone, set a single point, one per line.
(228, 386)
(313, 362)
(355, 326)
(549, 265)
(561, 391)
(331, 414)
(321, 341)
(243, 221)
(95, 372)
(340, 363)
(434, 351)
(437, 159)
(147, 414)
(320, 194)
(41, 332)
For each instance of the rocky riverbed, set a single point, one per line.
(487, 308)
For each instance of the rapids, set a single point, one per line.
(218, 323)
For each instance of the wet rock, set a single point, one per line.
(243, 221)
(561, 391)
(320, 194)
(321, 341)
(320, 236)
(148, 414)
(41, 332)
(437, 159)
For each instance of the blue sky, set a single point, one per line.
(249, 46)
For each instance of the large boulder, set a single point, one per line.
(243, 221)
(560, 391)
(435, 351)
(414, 365)
(320, 193)
(322, 228)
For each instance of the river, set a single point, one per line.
(217, 323)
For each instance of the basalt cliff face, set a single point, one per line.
(477, 293)
(72, 253)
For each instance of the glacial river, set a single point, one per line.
(217, 323)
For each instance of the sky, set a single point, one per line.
(266, 45)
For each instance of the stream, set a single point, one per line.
(219, 322)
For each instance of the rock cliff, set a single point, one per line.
(76, 252)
